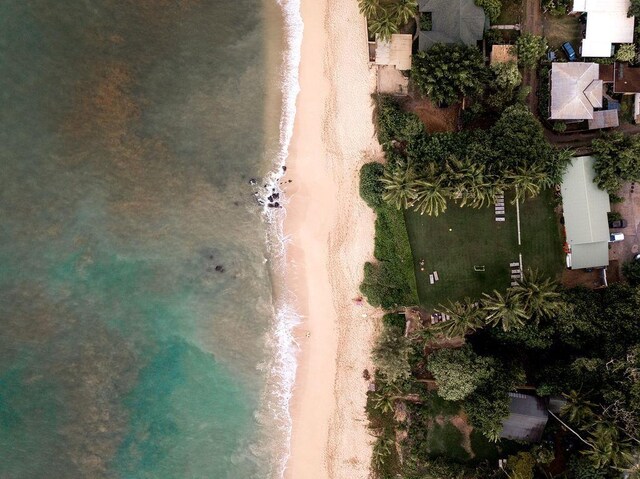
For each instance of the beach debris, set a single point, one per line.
(366, 375)
(253, 182)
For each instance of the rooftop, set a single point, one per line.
(453, 21)
(395, 52)
(607, 23)
(585, 215)
(576, 89)
(604, 119)
(527, 418)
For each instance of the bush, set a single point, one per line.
(371, 189)
(491, 8)
(391, 355)
(458, 372)
(559, 126)
(426, 21)
(626, 52)
(631, 271)
(617, 160)
(394, 124)
(530, 49)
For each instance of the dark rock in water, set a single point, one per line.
(210, 256)
(220, 268)
(271, 205)
(236, 203)
(270, 198)
(253, 182)
(284, 168)
(266, 186)
(276, 205)
(276, 195)
(290, 181)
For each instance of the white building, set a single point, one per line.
(607, 23)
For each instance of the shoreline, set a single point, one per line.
(330, 231)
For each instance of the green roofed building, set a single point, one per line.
(452, 21)
(585, 215)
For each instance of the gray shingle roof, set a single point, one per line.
(454, 21)
(527, 419)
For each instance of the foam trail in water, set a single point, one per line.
(282, 373)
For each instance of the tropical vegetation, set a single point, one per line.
(617, 160)
(386, 17)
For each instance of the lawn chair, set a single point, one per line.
(479, 268)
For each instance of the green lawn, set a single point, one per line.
(560, 29)
(461, 238)
(510, 13)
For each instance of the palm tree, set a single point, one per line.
(404, 10)
(369, 8)
(506, 310)
(400, 185)
(607, 449)
(464, 316)
(429, 198)
(469, 183)
(577, 409)
(528, 181)
(539, 296)
(383, 25)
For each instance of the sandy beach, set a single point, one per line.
(331, 232)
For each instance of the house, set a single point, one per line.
(452, 21)
(585, 209)
(576, 90)
(527, 418)
(502, 54)
(607, 23)
(395, 52)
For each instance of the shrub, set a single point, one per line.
(530, 49)
(371, 189)
(559, 126)
(391, 355)
(458, 372)
(491, 8)
(426, 21)
(626, 52)
(631, 271)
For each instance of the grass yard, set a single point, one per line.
(558, 30)
(510, 13)
(461, 238)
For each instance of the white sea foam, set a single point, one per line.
(282, 371)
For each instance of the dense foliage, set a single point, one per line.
(634, 9)
(617, 160)
(390, 281)
(448, 72)
(425, 171)
(385, 17)
(530, 49)
(626, 52)
(491, 8)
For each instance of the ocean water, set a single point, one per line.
(140, 336)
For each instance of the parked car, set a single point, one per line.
(615, 237)
(618, 224)
(569, 51)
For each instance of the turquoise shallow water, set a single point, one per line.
(135, 302)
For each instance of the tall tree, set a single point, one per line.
(506, 310)
(539, 296)
(429, 198)
(446, 73)
(400, 186)
(464, 316)
(405, 10)
(530, 49)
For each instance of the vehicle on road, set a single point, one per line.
(615, 237)
(569, 51)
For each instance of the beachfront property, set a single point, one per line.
(451, 21)
(585, 209)
(395, 52)
(607, 24)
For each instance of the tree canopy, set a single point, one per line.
(617, 160)
(446, 73)
(530, 49)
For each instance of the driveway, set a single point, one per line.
(623, 251)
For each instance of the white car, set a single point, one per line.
(615, 237)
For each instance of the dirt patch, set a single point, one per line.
(461, 424)
(572, 278)
(558, 30)
(435, 119)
